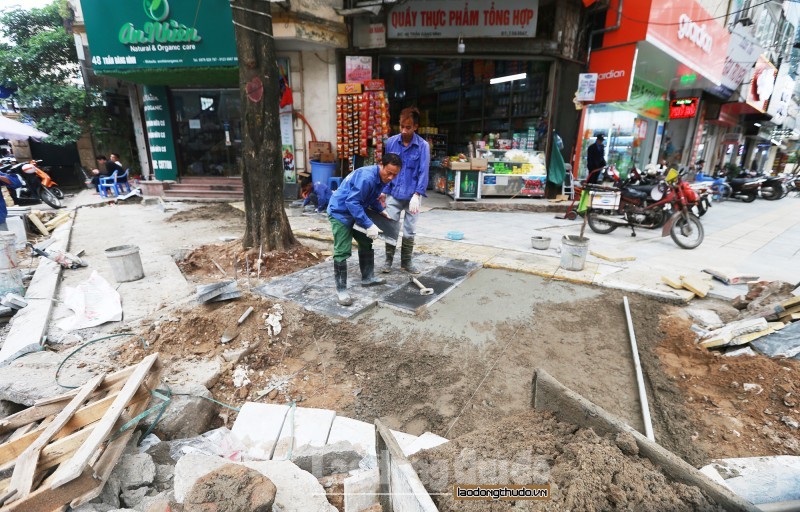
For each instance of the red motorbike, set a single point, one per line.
(668, 205)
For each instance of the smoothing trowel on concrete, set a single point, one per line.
(389, 229)
(233, 331)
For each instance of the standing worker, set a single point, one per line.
(405, 193)
(347, 208)
(595, 160)
(11, 181)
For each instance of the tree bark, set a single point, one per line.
(262, 162)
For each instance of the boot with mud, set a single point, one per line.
(405, 256)
(366, 260)
(340, 273)
(387, 265)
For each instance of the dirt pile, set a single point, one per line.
(737, 404)
(214, 211)
(585, 471)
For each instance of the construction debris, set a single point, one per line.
(81, 434)
(13, 301)
(224, 290)
(729, 277)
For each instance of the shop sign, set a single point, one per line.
(683, 108)
(587, 86)
(647, 100)
(781, 96)
(417, 19)
(743, 51)
(357, 68)
(376, 36)
(762, 84)
(158, 123)
(614, 68)
(159, 34)
(687, 32)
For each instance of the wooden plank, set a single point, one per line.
(91, 481)
(794, 301)
(673, 281)
(25, 467)
(38, 223)
(85, 416)
(57, 220)
(698, 286)
(50, 406)
(74, 467)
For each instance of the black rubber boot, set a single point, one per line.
(366, 260)
(387, 265)
(340, 273)
(405, 256)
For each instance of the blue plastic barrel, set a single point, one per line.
(321, 171)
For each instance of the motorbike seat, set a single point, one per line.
(643, 188)
(741, 181)
(633, 193)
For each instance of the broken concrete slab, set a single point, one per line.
(303, 426)
(706, 318)
(611, 254)
(360, 433)
(426, 441)
(362, 490)
(258, 427)
(784, 343)
(297, 490)
(699, 287)
(29, 379)
(331, 459)
(205, 372)
(727, 334)
(189, 413)
(403, 439)
(207, 292)
(760, 480)
(135, 470)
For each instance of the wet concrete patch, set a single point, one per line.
(314, 287)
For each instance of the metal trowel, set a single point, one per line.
(233, 331)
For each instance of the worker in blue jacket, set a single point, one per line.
(317, 193)
(347, 208)
(406, 192)
(11, 181)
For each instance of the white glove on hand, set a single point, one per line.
(413, 206)
(373, 232)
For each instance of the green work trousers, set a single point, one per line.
(343, 240)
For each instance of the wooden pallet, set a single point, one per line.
(62, 450)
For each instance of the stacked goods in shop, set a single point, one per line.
(376, 128)
(362, 120)
(348, 120)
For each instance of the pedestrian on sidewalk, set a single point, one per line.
(405, 193)
(595, 160)
(347, 209)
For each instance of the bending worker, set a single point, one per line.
(405, 193)
(347, 208)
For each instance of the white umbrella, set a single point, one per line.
(13, 130)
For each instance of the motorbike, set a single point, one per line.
(613, 207)
(37, 185)
(773, 188)
(746, 188)
(720, 190)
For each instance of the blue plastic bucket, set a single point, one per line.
(321, 171)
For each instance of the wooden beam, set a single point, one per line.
(74, 467)
(38, 223)
(51, 406)
(25, 467)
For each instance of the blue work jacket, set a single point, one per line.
(359, 190)
(413, 177)
(323, 193)
(15, 183)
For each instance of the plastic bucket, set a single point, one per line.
(8, 250)
(540, 242)
(11, 282)
(321, 171)
(125, 263)
(573, 252)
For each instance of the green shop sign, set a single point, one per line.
(647, 100)
(145, 34)
(158, 122)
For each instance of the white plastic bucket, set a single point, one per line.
(11, 282)
(8, 250)
(573, 252)
(125, 263)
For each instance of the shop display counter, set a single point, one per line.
(512, 178)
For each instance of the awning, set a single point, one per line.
(14, 130)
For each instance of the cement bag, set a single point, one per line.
(94, 302)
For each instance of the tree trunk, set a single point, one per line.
(262, 162)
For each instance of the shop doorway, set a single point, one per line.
(208, 131)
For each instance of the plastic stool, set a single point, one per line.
(334, 179)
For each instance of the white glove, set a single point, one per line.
(413, 206)
(373, 232)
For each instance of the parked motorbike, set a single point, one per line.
(720, 190)
(745, 188)
(613, 207)
(37, 185)
(773, 188)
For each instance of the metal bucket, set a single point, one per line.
(541, 243)
(573, 252)
(125, 263)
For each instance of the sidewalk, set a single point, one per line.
(762, 238)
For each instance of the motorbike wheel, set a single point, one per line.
(57, 192)
(46, 195)
(599, 226)
(749, 197)
(687, 232)
(771, 193)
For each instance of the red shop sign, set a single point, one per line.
(683, 108)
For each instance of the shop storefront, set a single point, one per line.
(654, 82)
